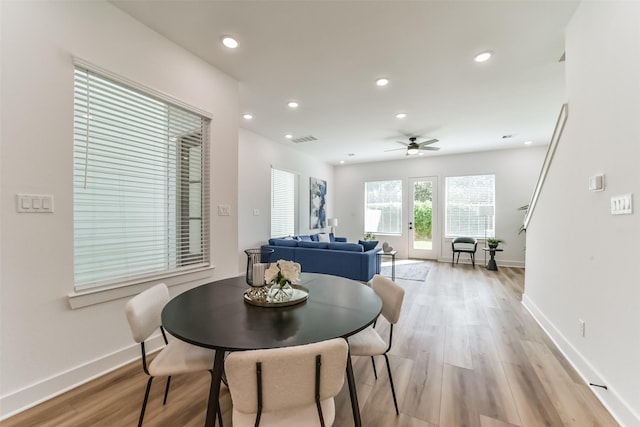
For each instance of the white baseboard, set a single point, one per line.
(619, 409)
(34, 394)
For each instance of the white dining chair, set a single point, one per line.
(368, 342)
(286, 387)
(177, 357)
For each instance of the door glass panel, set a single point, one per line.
(422, 215)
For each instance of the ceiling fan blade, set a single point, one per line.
(430, 148)
(403, 143)
(429, 142)
(395, 149)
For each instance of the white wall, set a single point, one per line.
(46, 346)
(257, 155)
(582, 262)
(516, 174)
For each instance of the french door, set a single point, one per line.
(423, 218)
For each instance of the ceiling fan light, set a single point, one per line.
(412, 150)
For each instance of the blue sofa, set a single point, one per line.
(336, 257)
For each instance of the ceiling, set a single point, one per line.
(326, 55)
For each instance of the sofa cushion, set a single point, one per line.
(368, 244)
(283, 242)
(342, 246)
(304, 238)
(314, 245)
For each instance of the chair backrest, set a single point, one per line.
(463, 240)
(288, 375)
(392, 297)
(143, 311)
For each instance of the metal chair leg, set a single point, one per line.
(166, 390)
(393, 390)
(373, 363)
(144, 402)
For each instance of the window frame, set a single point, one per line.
(483, 228)
(292, 204)
(366, 223)
(85, 292)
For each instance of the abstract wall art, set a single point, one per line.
(317, 203)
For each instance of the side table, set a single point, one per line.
(391, 254)
(492, 262)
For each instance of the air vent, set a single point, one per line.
(307, 138)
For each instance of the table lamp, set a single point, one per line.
(333, 223)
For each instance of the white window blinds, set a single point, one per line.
(140, 184)
(283, 203)
(469, 199)
(383, 207)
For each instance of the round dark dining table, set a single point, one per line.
(216, 316)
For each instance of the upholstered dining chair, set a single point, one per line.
(288, 386)
(368, 342)
(467, 245)
(176, 357)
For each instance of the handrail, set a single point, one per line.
(557, 133)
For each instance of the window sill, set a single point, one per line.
(99, 296)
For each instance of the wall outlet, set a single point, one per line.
(581, 327)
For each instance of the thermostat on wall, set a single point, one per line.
(596, 183)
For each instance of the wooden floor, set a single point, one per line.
(465, 353)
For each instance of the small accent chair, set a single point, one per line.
(368, 342)
(288, 386)
(176, 357)
(467, 245)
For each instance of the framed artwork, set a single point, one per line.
(317, 203)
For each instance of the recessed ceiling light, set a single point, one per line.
(292, 104)
(342, 162)
(401, 115)
(484, 56)
(382, 81)
(528, 142)
(288, 136)
(247, 116)
(229, 42)
(421, 154)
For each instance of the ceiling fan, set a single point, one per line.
(414, 147)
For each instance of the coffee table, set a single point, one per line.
(215, 316)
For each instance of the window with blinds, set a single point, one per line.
(468, 200)
(139, 184)
(284, 205)
(383, 207)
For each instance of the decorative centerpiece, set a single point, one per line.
(279, 277)
(258, 260)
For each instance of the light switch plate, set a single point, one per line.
(224, 210)
(34, 203)
(622, 205)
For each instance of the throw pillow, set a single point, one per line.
(323, 237)
(368, 244)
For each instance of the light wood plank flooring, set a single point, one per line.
(465, 353)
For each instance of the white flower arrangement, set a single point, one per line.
(282, 272)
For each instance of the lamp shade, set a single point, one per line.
(332, 222)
